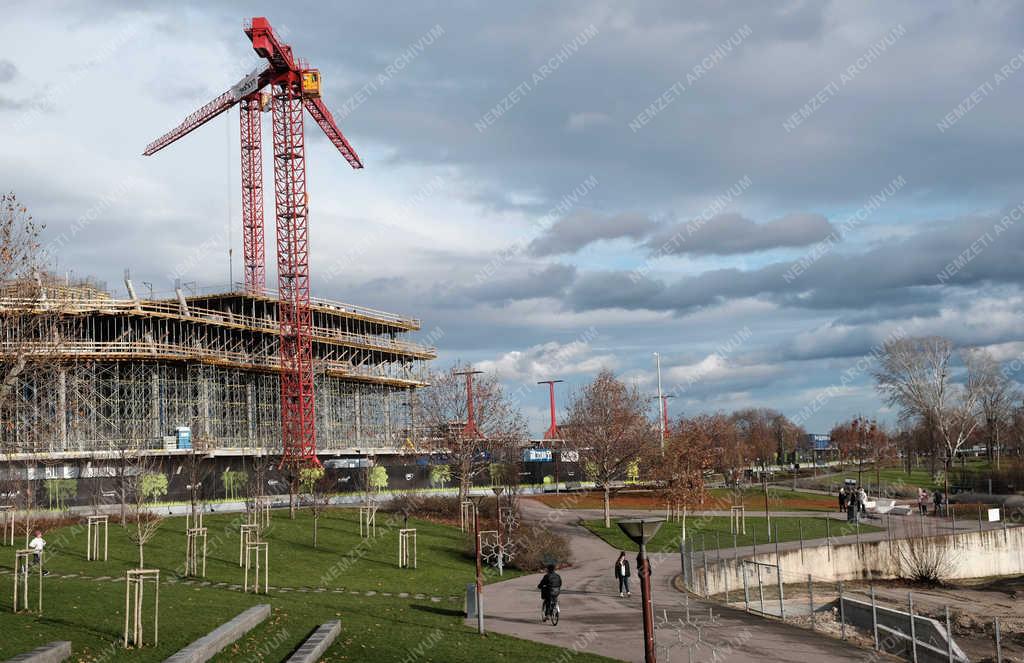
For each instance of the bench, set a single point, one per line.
(209, 645)
(51, 652)
(318, 643)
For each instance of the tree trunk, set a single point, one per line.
(316, 528)
(142, 560)
(949, 466)
(607, 506)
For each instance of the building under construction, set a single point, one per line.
(102, 374)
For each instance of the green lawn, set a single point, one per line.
(375, 628)
(709, 533)
(293, 560)
(780, 499)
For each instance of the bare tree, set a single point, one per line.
(500, 428)
(20, 261)
(147, 483)
(607, 426)
(914, 374)
(997, 394)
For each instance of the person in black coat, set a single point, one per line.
(550, 587)
(622, 574)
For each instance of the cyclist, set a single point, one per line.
(550, 586)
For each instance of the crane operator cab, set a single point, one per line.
(311, 83)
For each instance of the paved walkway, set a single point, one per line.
(596, 620)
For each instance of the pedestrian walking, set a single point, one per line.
(862, 500)
(36, 545)
(622, 574)
(939, 499)
(842, 499)
(922, 501)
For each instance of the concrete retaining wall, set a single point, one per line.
(209, 645)
(314, 647)
(52, 652)
(975, 554)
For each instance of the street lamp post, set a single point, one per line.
(641, 531)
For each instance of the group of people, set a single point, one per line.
(937, 498)
(853, 501)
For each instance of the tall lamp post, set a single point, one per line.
(661, 402)
(641, 531)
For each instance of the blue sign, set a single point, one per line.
(536, 455)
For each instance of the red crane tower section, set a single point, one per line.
(294, 86)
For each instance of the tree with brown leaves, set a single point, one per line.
(607, 425)
(688, 453)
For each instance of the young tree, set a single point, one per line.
(500, 429)
(147, 484)
(607, 426)
(316, 483)
(914, 374)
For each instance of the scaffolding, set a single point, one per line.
(104, 374)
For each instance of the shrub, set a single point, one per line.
(435, 507)
(379, 477)
(535, 547)
(153, 486)
(440, 475)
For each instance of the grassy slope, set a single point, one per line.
(375, 628)
(710, 532)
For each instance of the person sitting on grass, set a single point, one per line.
(36, 545)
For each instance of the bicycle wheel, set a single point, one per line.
(554, 616)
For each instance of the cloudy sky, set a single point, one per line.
(762, 192)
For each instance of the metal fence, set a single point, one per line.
(883, 615)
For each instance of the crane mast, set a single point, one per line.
(294, 87)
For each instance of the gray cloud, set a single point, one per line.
(732, 233)
(7, 71)
(895, 273)
(575, 231)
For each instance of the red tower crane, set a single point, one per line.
(293, 86)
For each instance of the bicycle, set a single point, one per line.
(550, 611)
